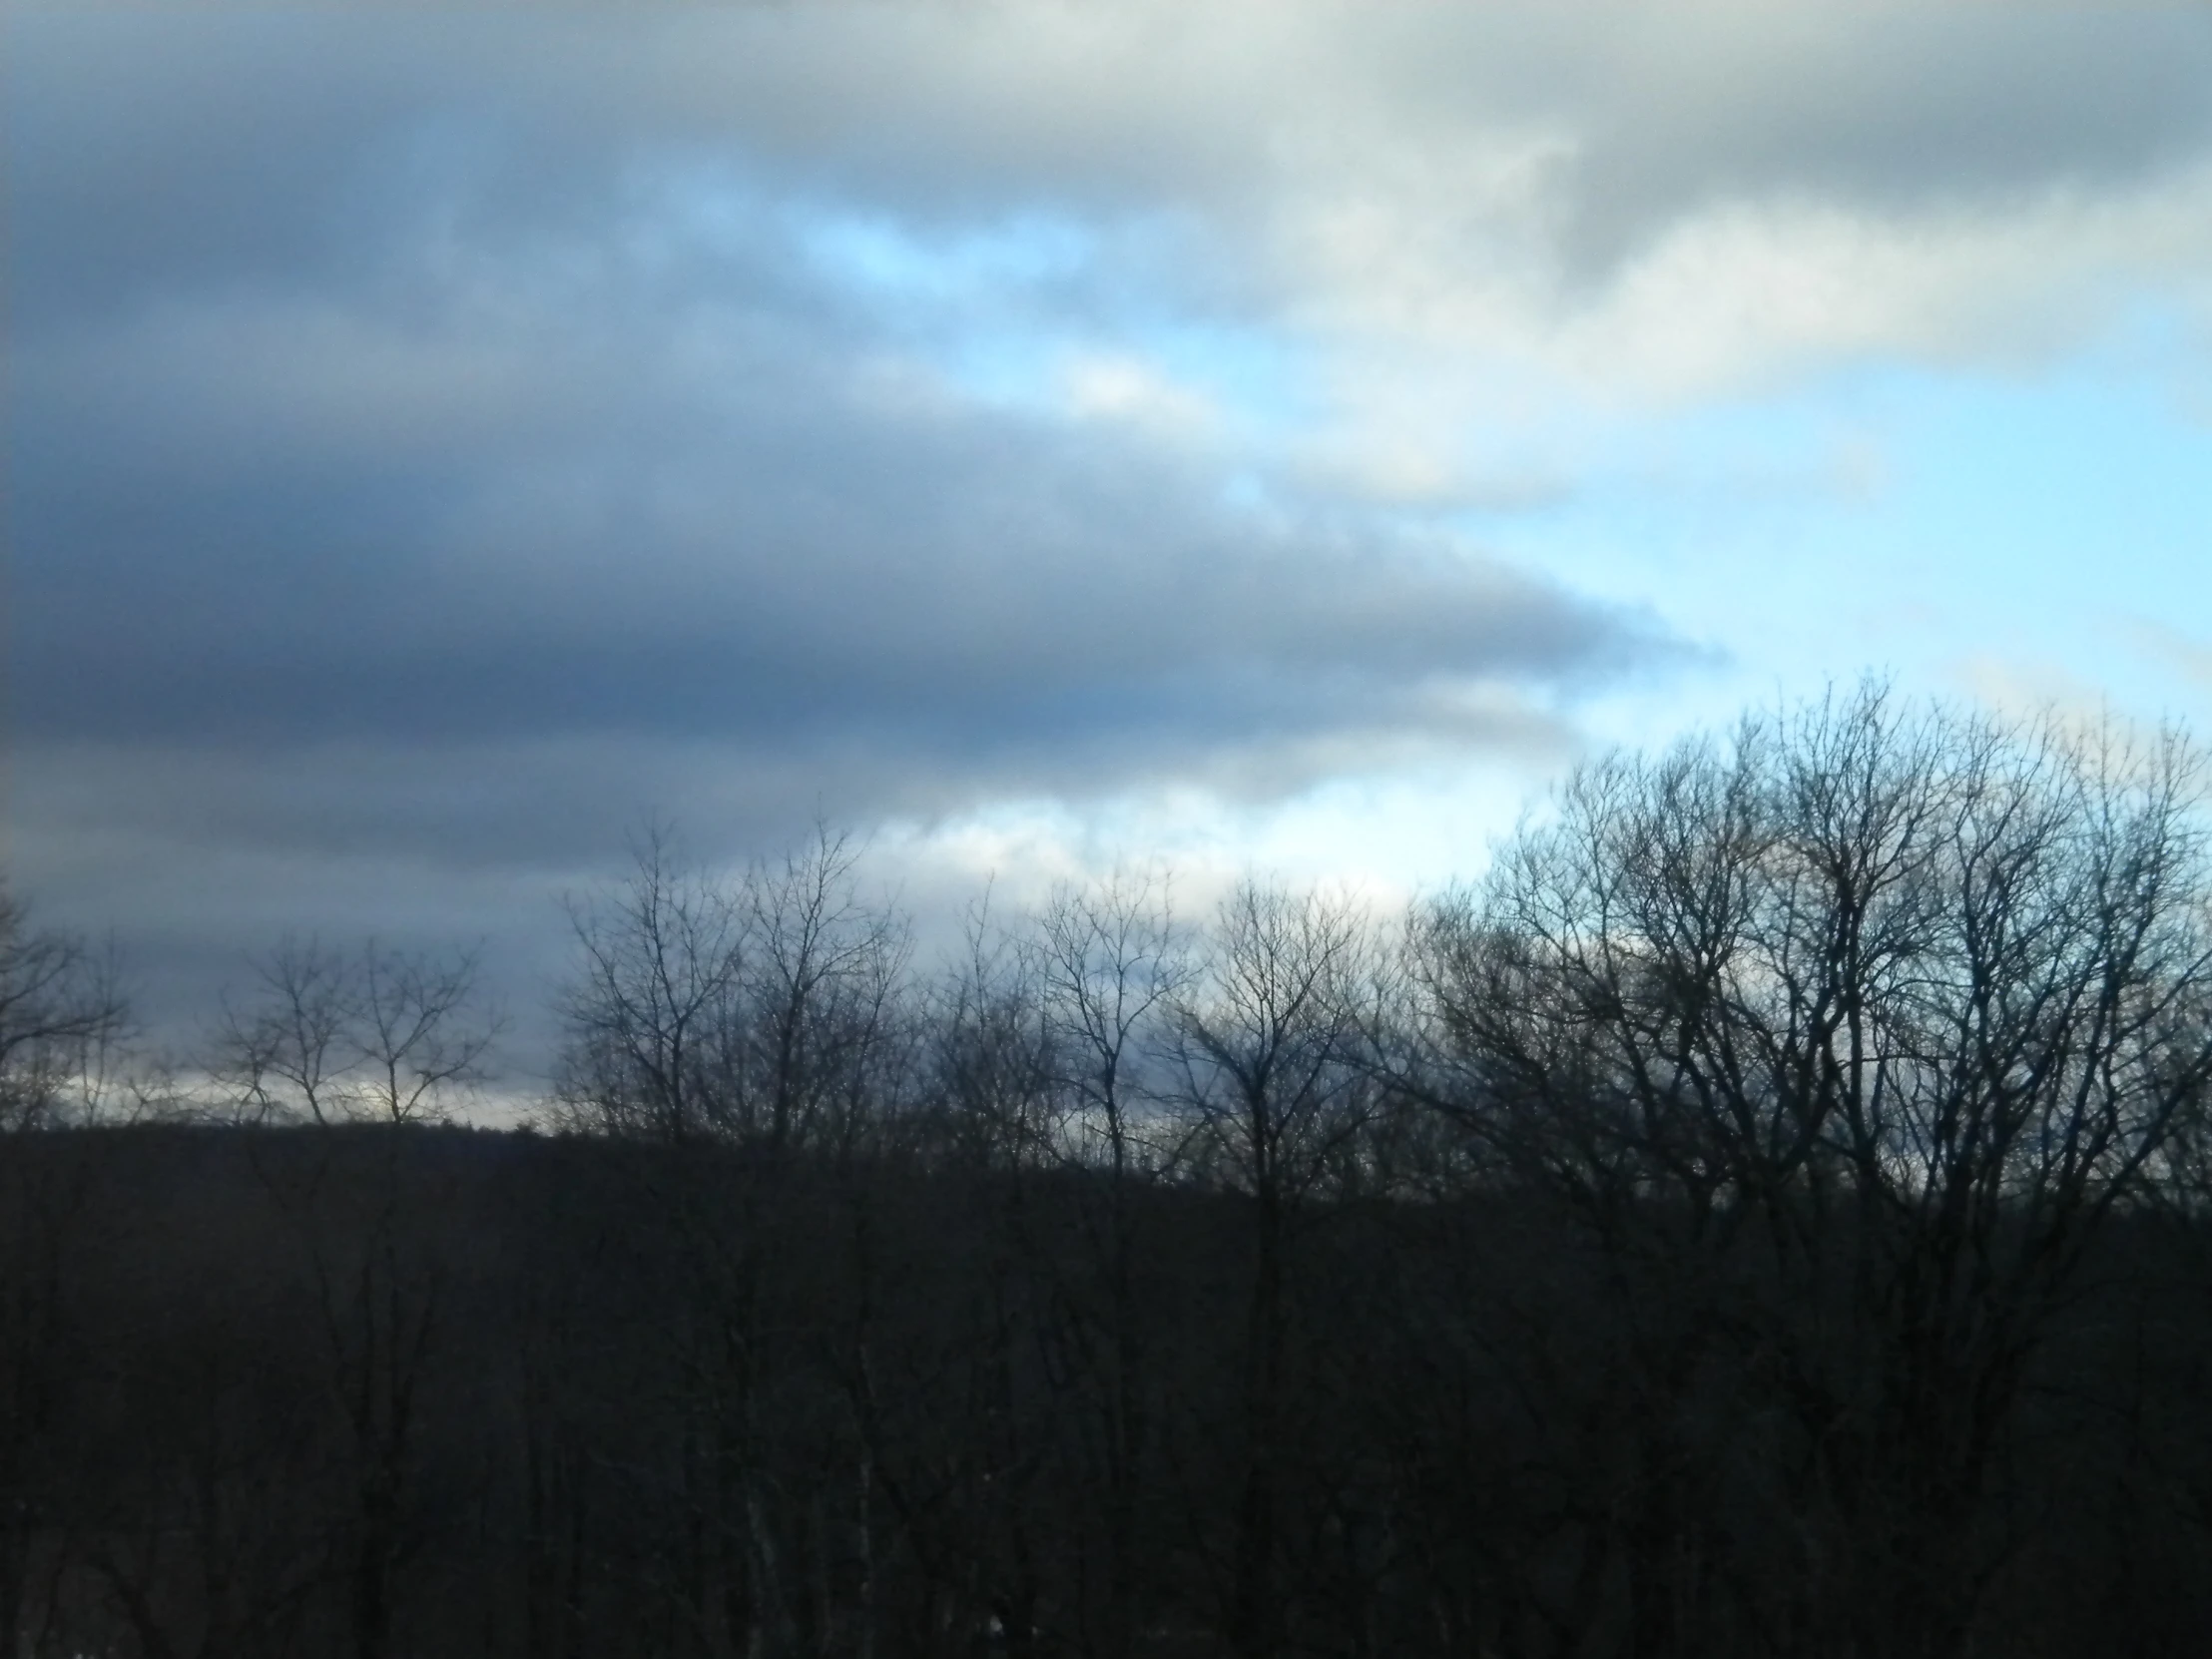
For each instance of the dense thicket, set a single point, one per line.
(1766, 1217)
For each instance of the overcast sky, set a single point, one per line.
(1277, 433)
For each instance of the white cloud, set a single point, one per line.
(1117, 386)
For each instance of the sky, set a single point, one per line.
(1274, 436)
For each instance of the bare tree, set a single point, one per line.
(652, 1019)
(420, 1034)
(1889, 1008)
(1266, 1037)
(992, 1064)
(60, 1014)
(766, 1013)
(765, 1009)
(1110, 960)
(823, 988)
(61, 1010)
(1268, 1045)
(378, 1036)
(1109, 963)
(281, 1050)
(325, 1036)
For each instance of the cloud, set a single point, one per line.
(437, 437)
(1542, 150)
(448, 521)
(279, 523)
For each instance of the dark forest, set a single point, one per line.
(1768, 1213)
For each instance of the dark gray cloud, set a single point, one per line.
(1902, 111)
(435, 441)
(224, 146)
(320, 517)
(427, 460)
